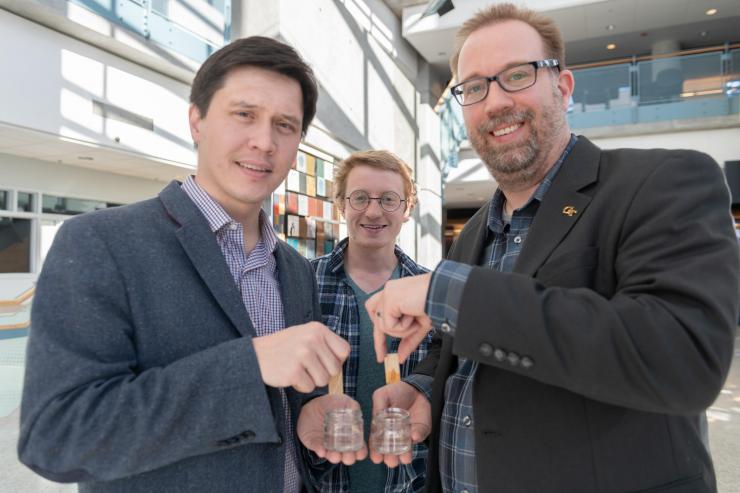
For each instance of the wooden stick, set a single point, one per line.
(335, 384)
(392, 368)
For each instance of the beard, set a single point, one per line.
(519, 165)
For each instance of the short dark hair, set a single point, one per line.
(255, 51)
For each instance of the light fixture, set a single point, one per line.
(611, 46)
(610, 27)
(711, 11)
(440, 7)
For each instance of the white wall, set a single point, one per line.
(33, 175)
(369, 78)
(54, 80)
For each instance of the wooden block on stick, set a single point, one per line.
(392, 368)
(335, 384)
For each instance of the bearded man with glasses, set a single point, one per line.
(586, 313)
(376, 195)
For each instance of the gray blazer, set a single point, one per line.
(141, 374)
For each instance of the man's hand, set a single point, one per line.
(310, 428)
(302, 356)
(398, 311)
(406, 397)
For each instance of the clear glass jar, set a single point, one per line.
(390, 432)
(343, 430)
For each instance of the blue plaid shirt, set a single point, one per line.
(504, 242)
(256, 279)
(340, 313)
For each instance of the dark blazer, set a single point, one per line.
(598, 354)
(141, 375)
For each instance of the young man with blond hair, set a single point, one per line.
(376, 195)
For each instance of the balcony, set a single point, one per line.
(639, 95)
(680, 87)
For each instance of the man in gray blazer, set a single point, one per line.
(174, 340)
(587, 313)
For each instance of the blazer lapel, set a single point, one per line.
(562, 206)
(200, 245)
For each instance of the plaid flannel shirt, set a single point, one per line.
(340, 313)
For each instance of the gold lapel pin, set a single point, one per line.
(569, 211)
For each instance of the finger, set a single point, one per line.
(381, 399)
(406, 321)
(376, 457)
(390, 460)
(338, 346)
(317, 447)
(391, 316)
(406, 457)
(362, 453)
(328, 358)
(333, 456)
(372, 305)
(379, 342)
(409, 343)
(419, 432)
(303, 383)
(348, 458)
(316, 370)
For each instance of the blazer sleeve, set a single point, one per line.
(663, 341)
(88, 414)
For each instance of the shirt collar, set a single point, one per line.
(495, 207)
(336, 260)
(218, 218)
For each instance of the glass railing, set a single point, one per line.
(194, 29)
(453, 131)
(679, 87)
(672, 88)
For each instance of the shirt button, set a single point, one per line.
(513, 358)
(527, 363)
(517, 239)
(445, 328)
(233, 226)
(485, 349)
(499, 354)
(467, 421)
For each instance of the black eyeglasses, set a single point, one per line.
(359, 200)
(510, 80)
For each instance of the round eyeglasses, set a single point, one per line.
(512, 79)
(359, 200)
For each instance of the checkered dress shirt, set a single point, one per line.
(505, 241)
(256, 278)
(340, 313)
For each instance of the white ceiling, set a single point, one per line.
(637, 25)
(28, 143)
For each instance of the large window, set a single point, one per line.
(25, 202)
(15, 245)
(53, 204)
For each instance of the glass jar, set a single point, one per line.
(390, 432)
(343, 430)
